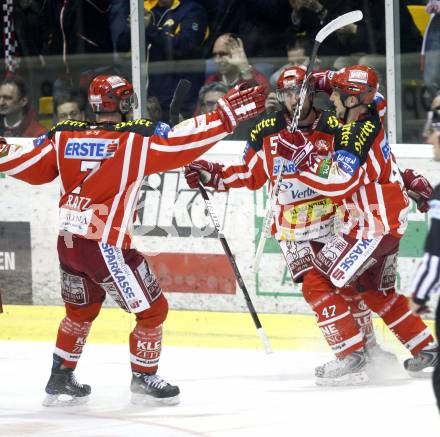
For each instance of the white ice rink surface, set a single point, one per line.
(224, 393)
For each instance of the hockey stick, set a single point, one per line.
(337, 23)
(237, 273)
(179, 95)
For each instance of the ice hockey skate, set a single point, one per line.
(350, 370)
(153, 390)
(422, 365)
(64, 390)
(380, 362)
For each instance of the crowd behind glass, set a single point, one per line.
(52, 50)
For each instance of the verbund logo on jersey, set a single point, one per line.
(90, 148)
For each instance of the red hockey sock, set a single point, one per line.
(332, 315)
(71, 340)
(409, 328)
(145, 348)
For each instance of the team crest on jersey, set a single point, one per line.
(40, 140)
(88, 148)
(386, 150)
(322, 146)
(162, 129)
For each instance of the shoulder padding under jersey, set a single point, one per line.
(357, 137)
(139, 126)
(327, 123)
(264, 125)
(68, 125)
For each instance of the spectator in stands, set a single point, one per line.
(69, 108)
(209, 95)
(298, 52)
(17, 117)
(431, 49)
(174, 31)
(309, 16)
(232, 63)
(154, 110)
(76, 27)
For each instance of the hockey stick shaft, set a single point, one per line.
(237, 273)
(337, 23)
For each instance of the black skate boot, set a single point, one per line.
(349, 370)
(151, 389)
(422, 365)
(63, 389)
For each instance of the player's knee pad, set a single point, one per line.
(155, 315)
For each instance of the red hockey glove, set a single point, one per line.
(208, 173)
(239, 104)
(295, 147)
(419, 188)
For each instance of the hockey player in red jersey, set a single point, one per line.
(304, 218)
(362, 175)
(100, 167)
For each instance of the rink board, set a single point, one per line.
(182, 328)
(174, 229)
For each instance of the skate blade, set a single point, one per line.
(64, 401)
(143, 399)
(421, 374)
(359, 378)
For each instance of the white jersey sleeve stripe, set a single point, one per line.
(382, 208)
(30, 162)
(244, 175)
(189, 128)
(123, 183)
(56, 144)
(131, 203)
(184, 146)
(370, 217)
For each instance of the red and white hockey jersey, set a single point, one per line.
(362, 174)
(101, 167)
(302, 213)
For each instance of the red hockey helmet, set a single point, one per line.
(357, 80)
(292, 78)
(111, 94)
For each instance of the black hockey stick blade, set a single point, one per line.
(179, 95)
